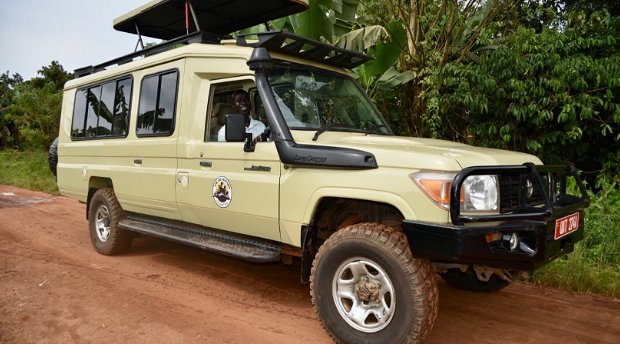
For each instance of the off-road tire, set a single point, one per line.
(104, 213)
(52, 156)
(468, 281)
(413, 281)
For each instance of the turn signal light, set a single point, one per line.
(436, 185)
(493, 236)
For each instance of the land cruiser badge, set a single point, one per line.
(222, 192)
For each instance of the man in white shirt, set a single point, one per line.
(241, 104)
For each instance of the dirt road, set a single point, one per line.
(54, 288)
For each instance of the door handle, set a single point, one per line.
(206, 163)
(137, 161)
(258, 168)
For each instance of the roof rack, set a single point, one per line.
(195, 37)
(276, 41)
(295, 45)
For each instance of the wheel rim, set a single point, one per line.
(364, 295)
(102, 223)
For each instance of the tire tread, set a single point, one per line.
(119, 240)
(420, 273)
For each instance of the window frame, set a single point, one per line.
(176, 102)
(85, 114)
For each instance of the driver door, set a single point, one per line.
(221, 186)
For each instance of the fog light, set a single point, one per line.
(512, 240)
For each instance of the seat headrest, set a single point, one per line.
(221, 110)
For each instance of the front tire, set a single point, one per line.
(104, 213)
(367, 288)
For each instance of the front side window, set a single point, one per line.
(94, 110)
(156, 111)
(314, 99)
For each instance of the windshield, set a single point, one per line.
(314, 99)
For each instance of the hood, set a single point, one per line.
(419, 153)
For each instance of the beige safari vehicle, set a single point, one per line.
(372, 217)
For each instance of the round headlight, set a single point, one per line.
(480, 193)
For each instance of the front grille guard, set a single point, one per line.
(549, 181)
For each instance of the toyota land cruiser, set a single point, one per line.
(371, 216)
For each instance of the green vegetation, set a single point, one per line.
(30, 110)
(594, 266)
(27, 169)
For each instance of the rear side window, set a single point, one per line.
(102, 110)
(156, 111)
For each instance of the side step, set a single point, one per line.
(205, 238)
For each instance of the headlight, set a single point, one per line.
(478, 193)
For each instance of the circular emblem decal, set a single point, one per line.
(222, 192)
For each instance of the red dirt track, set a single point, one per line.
(54, 288)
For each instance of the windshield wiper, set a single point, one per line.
(375, 129)
(320, 131)
(330, 128)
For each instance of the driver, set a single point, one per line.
(241, 104)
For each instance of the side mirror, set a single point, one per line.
(235, 128)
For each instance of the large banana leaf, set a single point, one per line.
(316, 22)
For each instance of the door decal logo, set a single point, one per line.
(222, 192)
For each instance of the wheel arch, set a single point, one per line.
(94, 184)
(332, 213)
(380, 197)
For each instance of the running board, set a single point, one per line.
(205, 238)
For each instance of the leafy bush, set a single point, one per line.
(555, 94)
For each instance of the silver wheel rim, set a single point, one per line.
(364, 295)
(102, 223)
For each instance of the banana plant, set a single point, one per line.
(336, 22)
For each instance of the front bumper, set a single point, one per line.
(464, 241)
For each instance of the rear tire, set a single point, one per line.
(104, 213)
(52, 156)
(367, 288)
(469, 281)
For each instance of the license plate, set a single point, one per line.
(566, 225)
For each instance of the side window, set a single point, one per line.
(106, 109)
(122, 98)
(221, 105)
(92, 111)
(95, 113)
(79, 114)
(156, 111)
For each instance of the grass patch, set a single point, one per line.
(594, 266)
(575, 273)
(27, 169)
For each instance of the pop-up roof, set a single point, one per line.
(166, 19)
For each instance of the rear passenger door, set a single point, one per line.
(148, 186)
